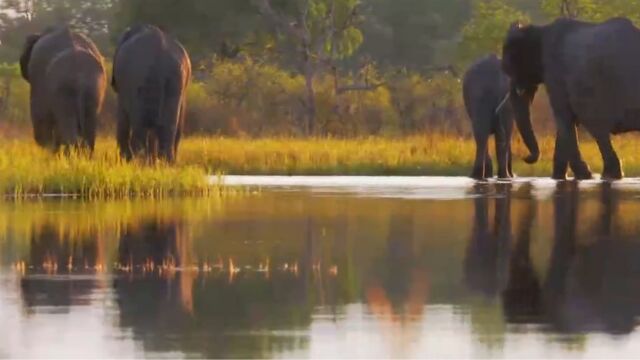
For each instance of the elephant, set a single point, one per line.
(68, 81)
(151, 72)
(592, 77)
(491, 107)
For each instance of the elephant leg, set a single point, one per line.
(509, 162)
(124, 133)
(580, 169)
(43, 131)
(168, 128)
(166, 141)
(152, 147)
(567, 152)
(612, 168)
(139, 141)
(482, 158)
(488, 164)
(180, 127)
(89, 130)
(502, 152)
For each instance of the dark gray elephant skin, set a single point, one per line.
(68, 82)
(485, 89)
(592, 75)
(151, 73)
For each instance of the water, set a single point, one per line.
(340, 267)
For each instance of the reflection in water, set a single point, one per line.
(293, 274)
(485, 262)
(55, 251)
(590, 282)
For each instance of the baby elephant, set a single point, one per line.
(491, 106)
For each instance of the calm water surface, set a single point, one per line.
(453, 269)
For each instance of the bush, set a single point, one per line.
(248, 98)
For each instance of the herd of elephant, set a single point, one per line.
(591, 72)
(68, 80)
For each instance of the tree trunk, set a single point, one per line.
(309, 74)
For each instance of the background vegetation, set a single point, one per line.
(296, 67)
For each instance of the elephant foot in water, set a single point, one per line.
(581, 171)
(612, 171)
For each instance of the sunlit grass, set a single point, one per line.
(416, 155)
(26, 170)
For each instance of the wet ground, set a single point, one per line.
(337, 267)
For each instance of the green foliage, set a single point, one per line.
(412, 33)
(487, 28)
(257, 99)
(594, 10)
(204, 27)
(14, 95)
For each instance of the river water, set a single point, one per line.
(328, 267)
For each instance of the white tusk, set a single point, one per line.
(503, 103)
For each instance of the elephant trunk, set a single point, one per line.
(521, 107)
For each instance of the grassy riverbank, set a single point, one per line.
(26, 170)
(418, 155)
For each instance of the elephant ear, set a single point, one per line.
(25, 58)
(126, 36)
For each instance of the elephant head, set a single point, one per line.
(522, 62)
(25, 57)
(522, 57)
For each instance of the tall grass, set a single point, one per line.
(417, 155)
(26, 170)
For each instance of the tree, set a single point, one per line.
(22, 17)
(593, 10)
(322, 32)
(205, 27)
(486, 30)
(413, 33)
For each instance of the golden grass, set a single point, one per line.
(416, 155)
(27, 170)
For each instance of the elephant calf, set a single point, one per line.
(68, 81)
(151, 72)
(491, 107)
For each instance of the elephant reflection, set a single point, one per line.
(198, 311)
(485, 266)
(591, 282)
(53, 251)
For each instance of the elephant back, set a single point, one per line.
(52, 43)
(485, 82)
(146, 51)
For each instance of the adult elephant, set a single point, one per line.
(151, 72)
(68, 81)
(491, 106)
(592, 75)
